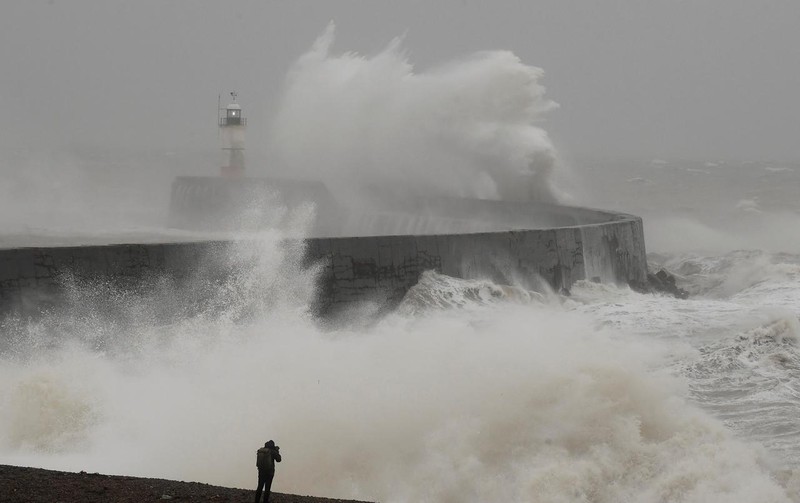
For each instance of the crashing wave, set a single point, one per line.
(438, 291)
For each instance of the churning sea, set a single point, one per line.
(469, 391)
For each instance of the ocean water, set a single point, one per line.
(469, 391)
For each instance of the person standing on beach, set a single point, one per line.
(266, 457)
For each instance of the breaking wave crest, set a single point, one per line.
(738, 274)
(750, 379)
(437, 291)
(465, 128)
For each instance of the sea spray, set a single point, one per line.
(500, 401)
(495, 396)
(469, 127)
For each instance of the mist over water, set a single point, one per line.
(700, 206)
(470, 391)
(79, 196)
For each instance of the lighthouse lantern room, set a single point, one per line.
(232, 124)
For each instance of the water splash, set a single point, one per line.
(493, 397)
(466, 128)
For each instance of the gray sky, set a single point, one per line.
(701, 79)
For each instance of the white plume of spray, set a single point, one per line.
(465, 128)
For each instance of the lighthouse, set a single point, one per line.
(232, 124)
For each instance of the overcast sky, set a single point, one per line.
(704, 79)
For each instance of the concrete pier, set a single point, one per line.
(534, 246)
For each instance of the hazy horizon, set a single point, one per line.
(710, 80)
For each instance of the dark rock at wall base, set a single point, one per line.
(661, 282)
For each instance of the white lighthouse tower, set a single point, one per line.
(231, 127)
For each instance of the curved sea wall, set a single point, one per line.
(383, 268)
(380, 269)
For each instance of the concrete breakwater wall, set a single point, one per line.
(378, 269)
(384, 268)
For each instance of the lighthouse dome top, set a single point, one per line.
(232, 114)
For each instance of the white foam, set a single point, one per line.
(509, 401)
(750, 205)
(469, 127)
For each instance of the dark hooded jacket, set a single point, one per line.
(266, 457)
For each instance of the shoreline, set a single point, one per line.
(20, 484)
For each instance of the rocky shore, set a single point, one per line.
(33, 485)
(660, 282)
